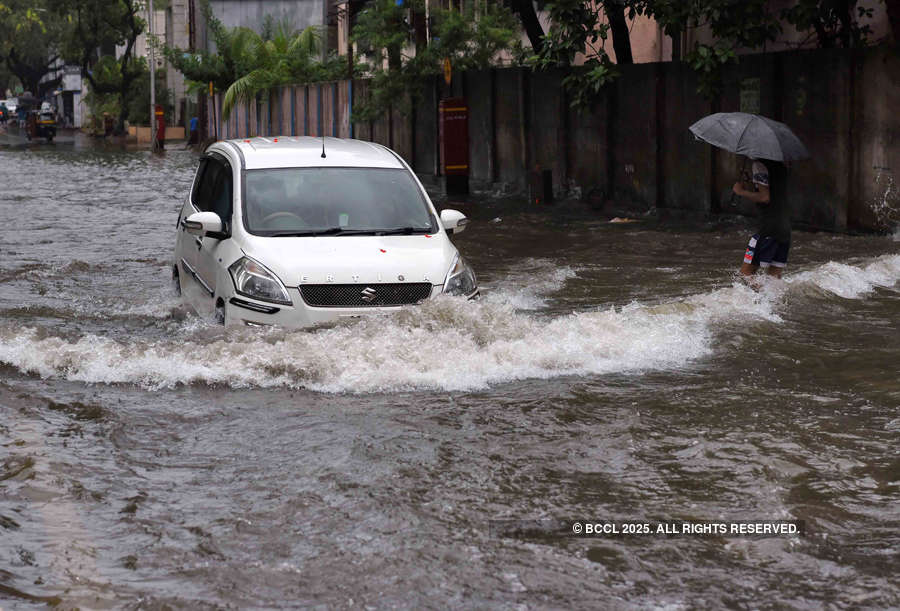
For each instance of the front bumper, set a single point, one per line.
(240, 309)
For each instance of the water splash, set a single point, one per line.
(850, 281)
(529, 285)
(886, 206)
(447, 343)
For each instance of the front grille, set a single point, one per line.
(355, 295)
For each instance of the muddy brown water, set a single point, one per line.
(150, 459)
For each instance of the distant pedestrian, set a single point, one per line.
(194, 137)
(768, 248)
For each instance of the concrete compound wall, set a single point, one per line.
(633, 149)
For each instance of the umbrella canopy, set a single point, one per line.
(751, 135)
(27, 100)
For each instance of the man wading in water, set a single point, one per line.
(769, 247)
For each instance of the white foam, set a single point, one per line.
(850, 281)
(530, 283)
(447, 343)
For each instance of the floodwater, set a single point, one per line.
(150, 459)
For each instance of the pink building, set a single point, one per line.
(650, 44)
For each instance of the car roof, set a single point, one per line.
(306, 151)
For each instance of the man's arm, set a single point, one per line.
(760, 197)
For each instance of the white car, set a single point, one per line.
(300, 231)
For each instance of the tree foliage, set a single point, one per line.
(286, 58)
(733, 25)
(97, 28)
(576, 29)
(30, 37)
(471, 39)
(246, 63)
(834, 22)
(231, 59)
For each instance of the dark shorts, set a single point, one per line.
(766, 251)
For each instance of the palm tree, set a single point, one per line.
(288, 57)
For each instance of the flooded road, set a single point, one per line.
(150, 459)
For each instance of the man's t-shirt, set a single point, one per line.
(194, 122)
(774, 216)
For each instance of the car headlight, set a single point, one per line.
(252, 279)
(460, 279)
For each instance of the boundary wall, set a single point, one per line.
(633, 148)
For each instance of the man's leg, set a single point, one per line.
(750, 265)
(779, 259)
(748, 269)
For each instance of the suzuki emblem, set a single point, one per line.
(368, 294)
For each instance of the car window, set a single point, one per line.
(198, 182)
(206, 184)
(316, 199)
(221, 202)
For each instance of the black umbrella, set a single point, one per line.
(755, 136)
(27, 100)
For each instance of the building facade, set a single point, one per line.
(253, 14)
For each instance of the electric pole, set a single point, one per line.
(153, 126)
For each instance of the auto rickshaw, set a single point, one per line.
(41, 123)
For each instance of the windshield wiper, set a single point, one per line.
(337, 231)
(404, 231)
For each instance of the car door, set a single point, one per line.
(220, 201)
(185, 245)
(195, 292)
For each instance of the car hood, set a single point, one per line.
(353, 259)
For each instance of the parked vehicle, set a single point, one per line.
(283, 231)
(41, 123)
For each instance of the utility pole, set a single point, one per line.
(153, 143)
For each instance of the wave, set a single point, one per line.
(527, 287)
(850, 281)
(447, 343)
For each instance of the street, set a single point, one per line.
(149, 457)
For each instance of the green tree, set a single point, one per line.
(381, 31)
(471, 39)
(286, 58)
(7, 79)
(246, 63)
(137, 103)
(751, 24)
(833, 21)
(31, 34)
(233, 56)
(103, 25)
(734, 25)
(575, 29)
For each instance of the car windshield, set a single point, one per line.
(334, 201)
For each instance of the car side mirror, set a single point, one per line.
(204, 224)
(453, 221)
